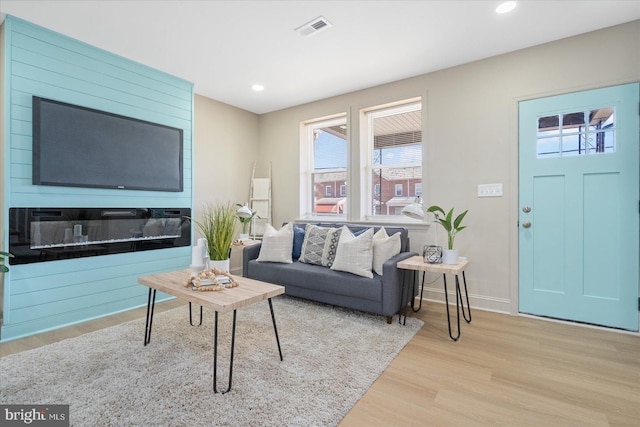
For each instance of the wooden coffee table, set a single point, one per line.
(247, 292)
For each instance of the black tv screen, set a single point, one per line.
(82, 147)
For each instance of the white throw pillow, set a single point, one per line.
(277, 245)
(384, 247)
(355, 253)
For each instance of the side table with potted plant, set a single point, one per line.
(416, 264)
(450, 264)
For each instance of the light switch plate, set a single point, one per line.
(490, 190)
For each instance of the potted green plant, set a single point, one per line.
(3, 255)
(218, 226)
(452, 227)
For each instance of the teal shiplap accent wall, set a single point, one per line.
(41, 62)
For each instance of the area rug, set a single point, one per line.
(331, 357)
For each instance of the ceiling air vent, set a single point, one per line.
(314, 27)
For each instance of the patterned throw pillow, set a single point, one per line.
(313, 244)
(355, 253)
(330, 246)
(319, 245)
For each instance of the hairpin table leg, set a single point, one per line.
(405, 296)
(215, 353)
(151, 303)
(413, 300)
(464, 280)
(190, 320)
(446, 297)
(275, 328)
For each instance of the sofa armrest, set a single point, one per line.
(248, 253)
(392, 280)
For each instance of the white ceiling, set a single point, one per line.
(224, 47)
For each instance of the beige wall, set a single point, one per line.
(225, 147)
(471, 139)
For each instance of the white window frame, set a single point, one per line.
(366, 154)
(396, 188)
(327, 191)
(343, 190)
(417, 189)
(306, 188)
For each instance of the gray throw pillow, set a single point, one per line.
(313, 244)
(330, 246)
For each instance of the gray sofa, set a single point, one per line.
(379, 295)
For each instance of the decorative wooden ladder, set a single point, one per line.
(260, 202)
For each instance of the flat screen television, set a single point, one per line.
(81, 147)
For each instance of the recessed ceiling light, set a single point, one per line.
(505, 7)
(257, 88)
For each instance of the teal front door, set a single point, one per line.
(579, 201)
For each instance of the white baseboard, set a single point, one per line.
(481, 302)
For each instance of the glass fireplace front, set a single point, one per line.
(47, 234)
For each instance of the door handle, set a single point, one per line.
(526, 224)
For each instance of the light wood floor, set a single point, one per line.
(504, 371)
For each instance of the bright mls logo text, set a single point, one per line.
(49, 415)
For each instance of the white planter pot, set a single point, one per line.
(222, 265)
(449, 256)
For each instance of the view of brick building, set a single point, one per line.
(392, 192)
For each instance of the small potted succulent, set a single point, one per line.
(452, 227)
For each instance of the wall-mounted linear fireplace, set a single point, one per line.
(48, 234)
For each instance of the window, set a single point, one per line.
(577, 133)
(323, 165)
(343, 190)
(394, 151)
(417, 189)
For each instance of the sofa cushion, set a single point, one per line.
(313, 244)
(355, 253)
(317, 278)
(330, 246)
(391, 229)
(298, 239)
(277, 245)
(319, 245)
(384, 247)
